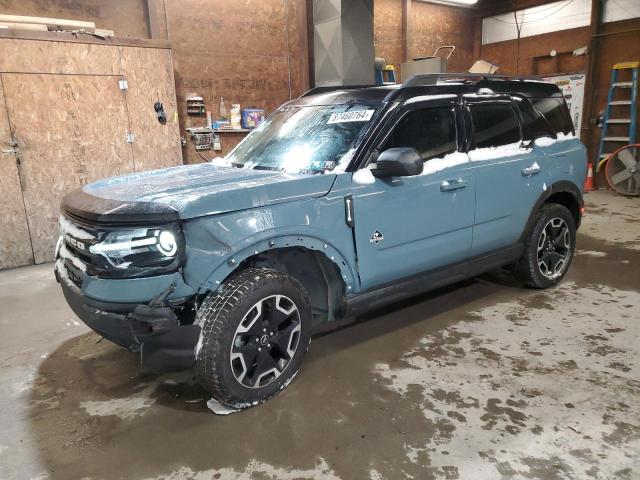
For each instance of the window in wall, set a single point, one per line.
(431, 131)
(494, 125)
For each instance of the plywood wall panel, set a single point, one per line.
(436, 25)
(126, 17)
(149, 73)
(251, 53)
(15, 248)
(75, 135)
(219, 26)
(430, 27)
(34, 56)
(387, 30)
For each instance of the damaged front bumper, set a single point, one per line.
(150, 329)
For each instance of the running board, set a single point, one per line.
(424, 282)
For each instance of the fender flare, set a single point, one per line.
(234, 259)
(558, 187)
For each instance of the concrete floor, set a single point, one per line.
(482, 380)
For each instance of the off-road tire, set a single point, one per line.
(219, 318)
(527, 269)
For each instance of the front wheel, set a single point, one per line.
(549, 248)
(255, 332)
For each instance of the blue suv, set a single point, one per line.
(343, 200)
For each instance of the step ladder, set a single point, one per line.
(630, 105)
(386, 75)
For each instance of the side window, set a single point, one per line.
(431, 131)
(556, 112)
(534, 126)
(494, 125)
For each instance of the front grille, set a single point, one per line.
(77, 238)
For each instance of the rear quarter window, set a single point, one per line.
(556, 112)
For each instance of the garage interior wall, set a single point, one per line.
(431, 26)
(67, 121)
(618, 41)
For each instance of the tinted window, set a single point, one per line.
(494, 125)
(431, 131)
(556, 112)
(534, 126)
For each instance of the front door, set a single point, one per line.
(408, 225)
(15, 247)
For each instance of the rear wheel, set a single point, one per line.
(255, 332)
(549, 248)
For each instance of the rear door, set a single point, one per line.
(510, 176)
(408, 225)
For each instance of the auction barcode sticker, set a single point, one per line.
(352, 116)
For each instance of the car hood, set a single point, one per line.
(190, 191)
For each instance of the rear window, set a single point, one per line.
(494, 125)
(556, 112)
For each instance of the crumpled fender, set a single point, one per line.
(217, 245)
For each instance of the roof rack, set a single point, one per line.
(333, 88)
(426, 79)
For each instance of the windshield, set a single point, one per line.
(312, 139)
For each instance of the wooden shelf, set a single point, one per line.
(232, 130)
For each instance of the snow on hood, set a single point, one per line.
(205, 189)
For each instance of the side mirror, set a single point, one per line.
(398, 162)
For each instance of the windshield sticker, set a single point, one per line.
(352, 116)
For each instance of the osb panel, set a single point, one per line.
(125, 17)
(430, 27)
(15, 249)
(34, 56)
(230, 28)
(149, 74)
(387, 31)
(251, 81)
(251, 53)
(435, 25)
(80, 139)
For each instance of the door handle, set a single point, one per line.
(450, 185)
(531, 170)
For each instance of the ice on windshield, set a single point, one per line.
(313, 139)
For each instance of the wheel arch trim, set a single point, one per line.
(235, 259)
(562, 186)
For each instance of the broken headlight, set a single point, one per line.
(139, 247)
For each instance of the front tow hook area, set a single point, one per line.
(164, 343)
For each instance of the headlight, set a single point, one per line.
(138, 247)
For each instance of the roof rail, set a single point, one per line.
(332, 88)
(426, 79)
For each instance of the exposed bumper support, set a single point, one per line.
(151, 330)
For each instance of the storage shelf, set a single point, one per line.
(232, 130)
